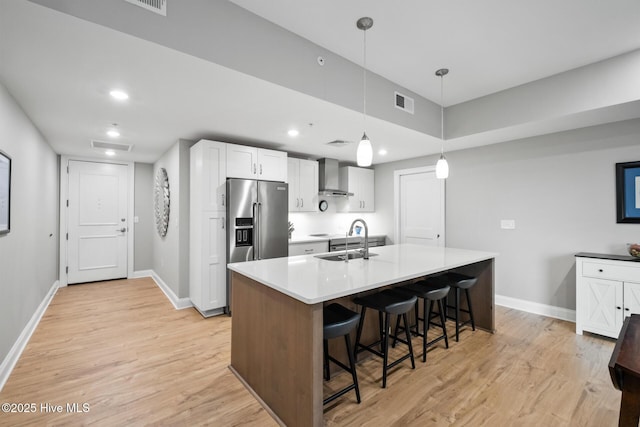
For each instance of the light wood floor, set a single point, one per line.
(124, 350)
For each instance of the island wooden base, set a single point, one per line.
(276, 347)
(276, 343)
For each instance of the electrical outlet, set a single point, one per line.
(508, 224)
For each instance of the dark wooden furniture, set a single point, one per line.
(624, 368)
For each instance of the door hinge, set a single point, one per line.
(67, 202)
(67, 169)
(67, 269)
(67, 236)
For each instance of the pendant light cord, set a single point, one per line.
(364, 79)
(442, 114)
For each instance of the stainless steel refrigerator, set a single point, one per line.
(257, 222)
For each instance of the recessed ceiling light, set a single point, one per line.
(110, 153)
(113, 133)
(119, 94)
(382, 152)
(293, 132)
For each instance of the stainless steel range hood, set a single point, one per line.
(329, 179)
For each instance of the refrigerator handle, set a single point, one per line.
(256, 231)
(258, 224)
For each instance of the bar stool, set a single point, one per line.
(431, 292)
(461, 282)
(339, 321)
(388, 302)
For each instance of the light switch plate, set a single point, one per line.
(508, 224)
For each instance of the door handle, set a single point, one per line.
(122, 230)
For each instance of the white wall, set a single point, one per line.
(29, 253)
(171, 253)
(559, 189)
(143, 210)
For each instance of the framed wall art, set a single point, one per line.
(628, 192)
(5, 193)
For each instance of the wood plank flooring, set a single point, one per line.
(123, 349)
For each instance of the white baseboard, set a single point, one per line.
(10, 361)
(178, 303)
(537, 308)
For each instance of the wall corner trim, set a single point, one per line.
(178, 303)
(18, 347)
(537, 308)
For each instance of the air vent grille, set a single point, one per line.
(102, 145)
(403, 102)
(157, 6)
(339, 143)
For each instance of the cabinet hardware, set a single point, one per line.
(301, 202)
(600, 270)
(308, 251)
(222, 197)
(619, 308)
(254, 168)
(260, 168)
(223, 223)
(626, 309)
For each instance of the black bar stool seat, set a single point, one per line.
(388, 302)
(339, 321)
(430, 292)
(461, 282)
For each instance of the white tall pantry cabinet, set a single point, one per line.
(207, 234)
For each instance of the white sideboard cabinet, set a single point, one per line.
(607, 290)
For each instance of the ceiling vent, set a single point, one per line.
(111, 146)
(403, 102)
(339, 143)
(157, 6)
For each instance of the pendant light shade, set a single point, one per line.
(365, 152)
(442, 167)
(364, 155)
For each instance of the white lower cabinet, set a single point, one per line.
(607, 290)
(307, 248)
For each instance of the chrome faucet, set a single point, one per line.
(366, 235)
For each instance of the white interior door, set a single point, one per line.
(419, 207)
(97, 221)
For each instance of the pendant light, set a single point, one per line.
(364, 154)
(442, 167)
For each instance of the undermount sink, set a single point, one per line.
(340, 256)
(319, 235)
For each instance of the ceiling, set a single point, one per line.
(60, 69)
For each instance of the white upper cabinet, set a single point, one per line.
(256, 163)
(303, 185)
(360, 182)
(208, 175)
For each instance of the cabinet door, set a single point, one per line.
(308, 185)
(214, 175)
(293, 170)
(631, 298)
(272, 165)
(602, 301)
(213, 293)
(366, 183)
(308, 248)
(242, 162)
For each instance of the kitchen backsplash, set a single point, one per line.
(330, 221)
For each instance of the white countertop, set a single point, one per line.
(313, 280)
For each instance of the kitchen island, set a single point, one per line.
(276, 334)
